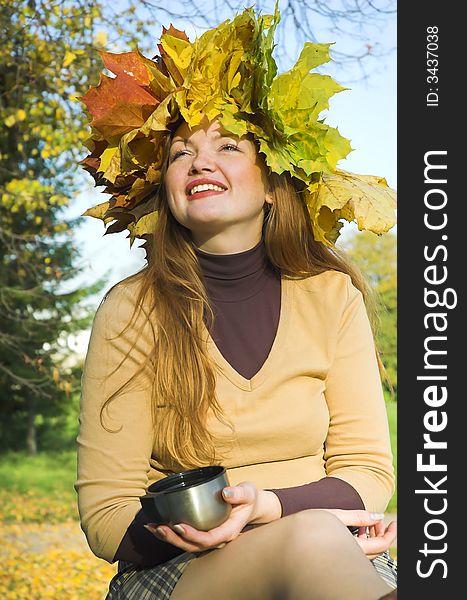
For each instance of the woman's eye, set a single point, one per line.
(229, 147)
(177, 154)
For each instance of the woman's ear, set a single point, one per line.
(268, 198)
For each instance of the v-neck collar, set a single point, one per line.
(275, 355)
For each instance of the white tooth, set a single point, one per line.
(204, 187)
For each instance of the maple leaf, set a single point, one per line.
(137, 154)
(98, 212)
(365, 199)
(118, 105)
(121, 223)
(110, 164)
(90, 163)
(174, 32)
(132, 64)
(143, 227)
(159, 119)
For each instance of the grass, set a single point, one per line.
(44, 472)
(38, 489)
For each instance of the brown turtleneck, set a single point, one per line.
(245, 294)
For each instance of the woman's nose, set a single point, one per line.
(202, 161)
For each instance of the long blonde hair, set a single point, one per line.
(172, 286)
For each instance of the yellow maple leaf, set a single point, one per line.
(144, 226)
(98, 211)
(110, 163)
(365, 199)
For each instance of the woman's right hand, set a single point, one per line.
(249, 505)
(374, 536)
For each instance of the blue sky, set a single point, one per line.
(366, 114)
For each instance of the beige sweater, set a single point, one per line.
(315, 408)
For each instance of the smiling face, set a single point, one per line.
(216, 187)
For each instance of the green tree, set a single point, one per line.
(47, 58)
(377, 258)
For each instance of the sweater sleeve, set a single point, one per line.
(357, 448)
(328, 492)
(114, 447)
(141, 547)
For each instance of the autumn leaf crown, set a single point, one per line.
(229, 74)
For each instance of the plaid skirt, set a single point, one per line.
(157, 583)
(387, 568)
(148, 583)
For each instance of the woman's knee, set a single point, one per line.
(313, 529)
(316, 522)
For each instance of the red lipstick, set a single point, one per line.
(203, 193)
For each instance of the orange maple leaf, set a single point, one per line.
(131, 64)
(174, 32)
(118, 105)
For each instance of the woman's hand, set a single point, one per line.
(249, 505)
(374, 537)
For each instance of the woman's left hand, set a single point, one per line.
(377, 538)
(374, 537)
(248, 504)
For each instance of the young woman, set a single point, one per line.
(244, 342)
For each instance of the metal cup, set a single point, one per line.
(193, 497)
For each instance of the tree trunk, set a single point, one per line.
(31, 437)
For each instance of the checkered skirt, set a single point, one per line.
(148, 583)
(387, 568)
(157, 583)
